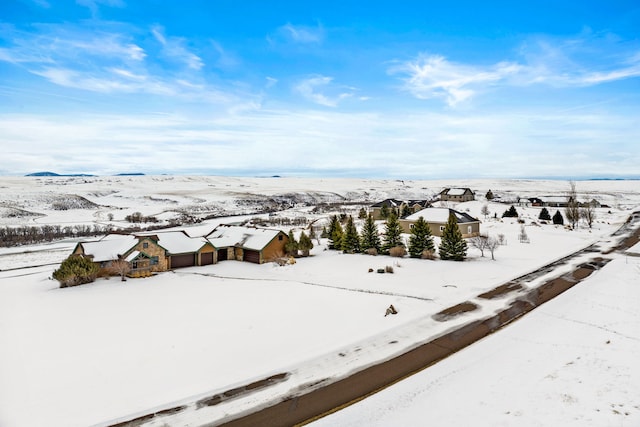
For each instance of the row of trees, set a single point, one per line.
(421, 244)
(27, 235)
(302, 246)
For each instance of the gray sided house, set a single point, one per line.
(456, 195)
(437, 219)
(392, 205)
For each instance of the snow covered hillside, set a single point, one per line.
(109, 351)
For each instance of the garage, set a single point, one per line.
(252, 256)
(222, 254)
(206, 258)
(186, 260)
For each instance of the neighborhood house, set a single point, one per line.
(457, 195)
(437, 219)
(149, 252)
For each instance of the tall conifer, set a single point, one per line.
(392, 233)
(421, 238)
(369, 238)
(452, 246)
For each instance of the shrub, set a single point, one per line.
(76, 270)
(398, 251)
(388, 269)
(427, 254)
(371, 251)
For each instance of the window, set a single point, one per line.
(411, 225)
(441, 228)
(469, 229)
(145, 245)
(154, 260)
(280, 237)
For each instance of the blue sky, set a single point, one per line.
(411, 90)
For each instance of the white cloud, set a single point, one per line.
(309, 89)
(174, 48)
(298, 34)
(434, 77)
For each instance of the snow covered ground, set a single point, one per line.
(571, 362)
(104, 352)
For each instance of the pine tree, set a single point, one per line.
(292, 245)
(489, 195)
(406, 211)
(384, 211)
(544, 215)
(335, 233)
(362, 214)
(452, 246)
(510, 213)
(392, 233)
(558, 219)
(369, 237)
(351, 240)
(305, 244)
(421, 239)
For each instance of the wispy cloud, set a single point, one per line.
(541, 61)
(298, 34)
(310, 88)
(175, 48)
(434, 77)
(94, 5)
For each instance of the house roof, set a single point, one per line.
(110, 247)
(455, 191)
(177, 242)
(245, 237)
(389, 203)
(440, 215)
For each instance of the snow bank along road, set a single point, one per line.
(318, 399)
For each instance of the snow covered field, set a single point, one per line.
(107, 351)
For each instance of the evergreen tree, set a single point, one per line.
(325, 233)
(489, 195)
(369, 237)
(392, 233)
(351, 240)
(421, 239)
(452, 246)
(406, 211)
(557, 218)
(312, 233)
(544, 215)
(384, 211)
(76, 270)
(335, 233)
(292, 245)
(510, 213)
(362, 214)
(305, 244)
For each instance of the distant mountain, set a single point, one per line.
(56, 174)
(131, 174)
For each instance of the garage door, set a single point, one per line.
(206, 258)
(178, 261)
(222, 254)
(252, 256)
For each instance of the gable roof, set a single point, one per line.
(393, 203)
(110, 247)
(441, 215)
(224, 236)
(177, 242)
(456, 191)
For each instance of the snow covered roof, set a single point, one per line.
(246, 237)
(634, 250)
(177, 242)
(455, 191)
(440, 215)
(389, 203)
(110, 247)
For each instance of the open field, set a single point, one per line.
(105, 352)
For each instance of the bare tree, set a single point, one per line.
(480, 242)
(523, 237)
(492, 245)
(572, 211)
(121, 267)
(588, 213)
(485, 210)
